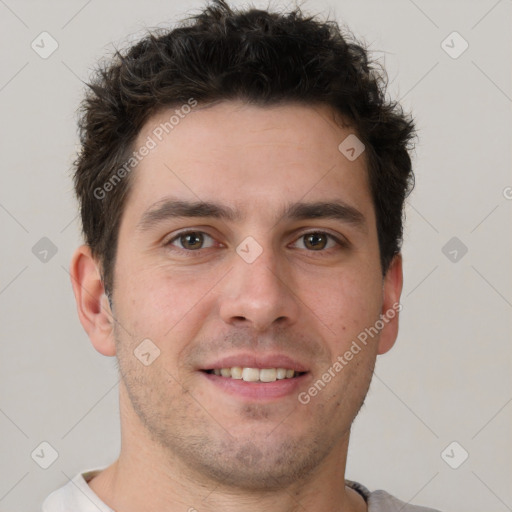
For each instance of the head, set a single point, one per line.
(223, 221)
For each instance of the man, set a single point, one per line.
(241, 184)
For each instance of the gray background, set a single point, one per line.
(447, 379)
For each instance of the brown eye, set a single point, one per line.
(315, 241)
(318, 241)
(192, 241)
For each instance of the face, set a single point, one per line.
(248, 241)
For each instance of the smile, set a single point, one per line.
(255, 374)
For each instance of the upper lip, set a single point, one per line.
(257, 361)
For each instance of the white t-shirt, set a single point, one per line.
(77, 496)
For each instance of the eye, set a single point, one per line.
(317, 241)
(192, 241)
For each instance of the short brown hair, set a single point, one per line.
(259, 57)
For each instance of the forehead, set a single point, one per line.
(247, 156)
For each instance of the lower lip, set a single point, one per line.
(258, 390)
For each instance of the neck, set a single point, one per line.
(135, 482)
(147, 477)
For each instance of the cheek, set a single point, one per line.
(163, 305)
(346, 302)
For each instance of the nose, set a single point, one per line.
(260, 294)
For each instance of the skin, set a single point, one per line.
(185, 443)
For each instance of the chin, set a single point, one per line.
(254, 465)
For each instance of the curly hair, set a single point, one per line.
(253, 55)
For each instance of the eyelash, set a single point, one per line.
(341, 243)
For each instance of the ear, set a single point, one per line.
(92, 303)
(391, 291)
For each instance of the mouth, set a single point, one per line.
(257, 377)
(263, 385)
(248, 374)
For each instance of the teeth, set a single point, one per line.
(236, 372)
(255, 374)
(268, 375)
(281, 373)
(251, 374)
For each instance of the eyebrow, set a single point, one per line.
(169, 208)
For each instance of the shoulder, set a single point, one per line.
(382, 501)
(75, 495)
